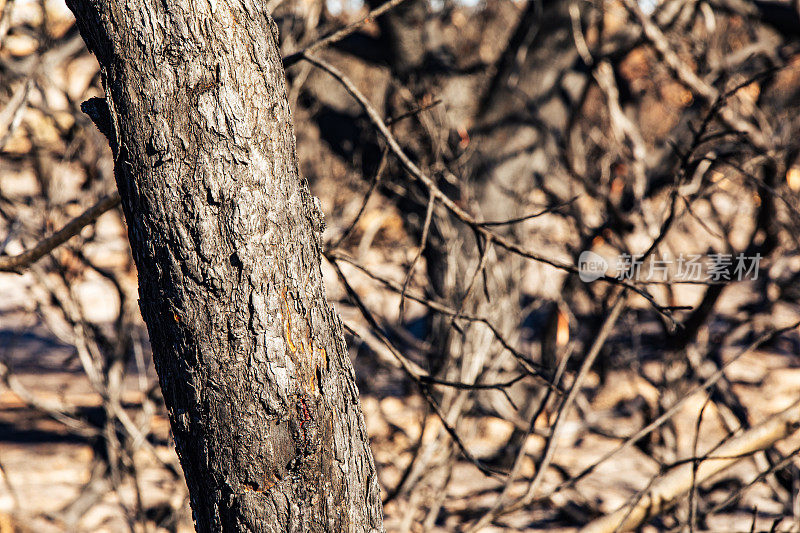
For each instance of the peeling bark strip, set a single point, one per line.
(250, 356)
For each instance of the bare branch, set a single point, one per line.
(338, 35)
(17, 263)
(454, 208)
(665, 491)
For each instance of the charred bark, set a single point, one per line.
(226, 237)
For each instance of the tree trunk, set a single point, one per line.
(226, 237)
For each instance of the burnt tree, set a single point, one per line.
(226, 237)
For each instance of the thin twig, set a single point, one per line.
(664, 492)
(338, 35)
(550, 445)
(17, 263)
(454, 208)
(669, 413)
(517, 220)
(530, 366)
(375, 181)
(426, 226)
(414, 376)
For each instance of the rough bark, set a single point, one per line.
(226, 237)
